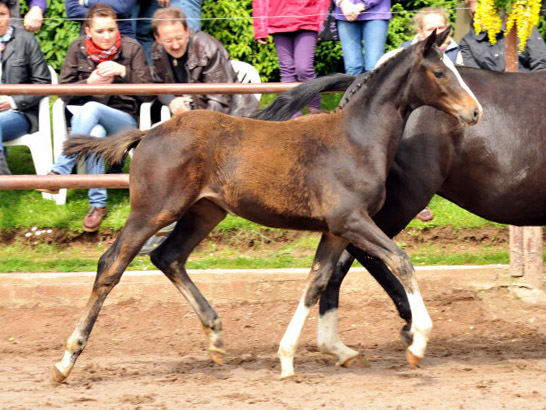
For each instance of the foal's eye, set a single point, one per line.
(439, 74)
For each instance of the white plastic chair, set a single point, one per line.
(39, 142)
(246, 73)
(60, 134)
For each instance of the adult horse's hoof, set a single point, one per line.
(57, 376)
(412, 359)
(217, 356)
(356, 362)
(406, 335)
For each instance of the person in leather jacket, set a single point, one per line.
(183, 55)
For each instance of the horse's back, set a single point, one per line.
(499, 167)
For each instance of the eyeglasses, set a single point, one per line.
(178, 39)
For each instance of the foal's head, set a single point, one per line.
(435, 81)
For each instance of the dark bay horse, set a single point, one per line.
(322, 173)
(496, 169)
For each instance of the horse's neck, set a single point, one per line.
(378, 111)
(382, 105)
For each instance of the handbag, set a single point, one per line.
(328, 32)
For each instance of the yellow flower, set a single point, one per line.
(524, 14)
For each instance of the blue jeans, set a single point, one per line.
(143, 28)
(13, 124)
(357, 57)
(98, 120)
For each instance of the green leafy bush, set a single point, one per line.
(230, 21)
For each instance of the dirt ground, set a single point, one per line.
(487, 350)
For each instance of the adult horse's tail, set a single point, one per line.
(290, 102)
(111, 149)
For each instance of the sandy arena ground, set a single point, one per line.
(147, 350)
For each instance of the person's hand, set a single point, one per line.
(111, 69)
(164, 3)
(33, 19)
(4, 103)
(351, 11)
(96, 78)
(180, 105)
(262, 40)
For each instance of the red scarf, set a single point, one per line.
(98, 55)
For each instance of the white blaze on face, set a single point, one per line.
(447, 61)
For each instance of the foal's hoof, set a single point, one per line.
(412, 359)
(356, 362)
(217, 356)
(57, 376)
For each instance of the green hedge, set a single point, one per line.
(230, 21)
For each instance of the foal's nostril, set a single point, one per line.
(476, 114)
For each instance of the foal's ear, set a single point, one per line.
(429, 42)
(441, 37)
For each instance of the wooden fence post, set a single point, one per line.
(526, 243)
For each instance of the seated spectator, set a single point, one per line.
(426, 21)
(182, 55)
(22, 63)
(32, 22)
(101, 56)
(478, 52)
(78, 9)
(144, 10)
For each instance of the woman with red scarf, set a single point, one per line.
(102, 56)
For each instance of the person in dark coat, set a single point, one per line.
(22, 62)
(183, 55)
(102, 56)
(478, 52)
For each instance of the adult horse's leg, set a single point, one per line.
(111, 266)
(328, 339)
(328, 253)
(170, 257)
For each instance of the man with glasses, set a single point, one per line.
(183, 55)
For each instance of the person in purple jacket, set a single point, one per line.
(77, 10)
(362, 27)
(32, 22)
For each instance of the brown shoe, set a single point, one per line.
(47, 190)
(425, 215)
(93, 219)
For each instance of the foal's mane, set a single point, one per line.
(366, 78)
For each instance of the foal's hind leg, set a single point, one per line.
(328, 253)
(171, 257)
(111, 266)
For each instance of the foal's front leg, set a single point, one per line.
(328, 253)
(366, 235)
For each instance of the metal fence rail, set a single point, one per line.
(22, 182)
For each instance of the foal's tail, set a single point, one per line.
(290, 102)
(111, 149)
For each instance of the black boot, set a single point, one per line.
(4, 170)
